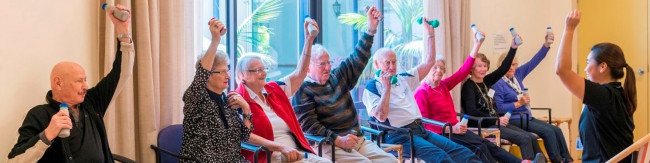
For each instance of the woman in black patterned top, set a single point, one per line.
(212, 129)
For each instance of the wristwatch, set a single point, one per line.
(128, 35)
(247, 116)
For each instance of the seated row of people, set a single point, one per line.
(321, 105)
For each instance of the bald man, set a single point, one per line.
(39, 141)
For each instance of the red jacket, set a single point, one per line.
(280, 104)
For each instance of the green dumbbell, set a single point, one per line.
(435, 23)
(393, 79)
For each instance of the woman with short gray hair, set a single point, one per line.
(212, 129)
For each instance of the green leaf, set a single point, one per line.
(358, 21)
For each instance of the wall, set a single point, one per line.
(35, 36)
(530, 19)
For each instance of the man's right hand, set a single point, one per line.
(373, 19)
(60, 120)
(217, 29)
(347, 141)
(384, 78)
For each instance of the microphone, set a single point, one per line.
(118, 13)
(64, 133)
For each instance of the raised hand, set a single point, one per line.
(514, 45)
(217, 29)
(121, 27)
(309, 36)
(430, 30)
(572, 20)
(476, 40)
(373, 19)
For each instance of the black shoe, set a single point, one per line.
(539, 158)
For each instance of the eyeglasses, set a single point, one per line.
(321, 64)
(259, 70)
(223, 72)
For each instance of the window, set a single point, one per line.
(270, 27)
(274, 28)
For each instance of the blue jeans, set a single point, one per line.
(553, 138)
(431, 147)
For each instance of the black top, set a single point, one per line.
(89, 145)
(605, 125)
(474, 96)
(84, 137)
(212, 130)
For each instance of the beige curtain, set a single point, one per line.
(453, 36)
(152, 98)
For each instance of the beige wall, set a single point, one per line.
(37, 34)
(530, 19)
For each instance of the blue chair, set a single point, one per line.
(170, 140)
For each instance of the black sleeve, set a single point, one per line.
(34, 123)
(596, 95)
(493, 77)
(100, 96)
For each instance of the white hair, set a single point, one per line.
(440, 58)
(245, 61)
(381, 54)
(317, 50)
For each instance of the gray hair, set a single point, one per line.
(440, 58)
(245, 61)
(220, 58)
(381, 54)
(317, 50)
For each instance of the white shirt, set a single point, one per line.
(281, 131)
(402, 109)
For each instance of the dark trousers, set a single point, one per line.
(526, 141)
(553, 139)
(483, 148)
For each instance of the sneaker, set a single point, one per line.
(539, 158)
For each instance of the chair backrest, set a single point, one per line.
(170, 138)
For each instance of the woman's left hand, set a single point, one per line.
(237, 101)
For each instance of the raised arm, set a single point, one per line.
(457, 77)
(351, 68)
(197, 88)
(570, 79)
(298, 76)
(429, 55)
(217, 29)
(110, 86)
(493, 77)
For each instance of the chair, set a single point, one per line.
(169, 145)
(320, 140)
(379, 130)
(256, 150)
(122, 159)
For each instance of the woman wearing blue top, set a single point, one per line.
(509, 97)
(606, 123)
